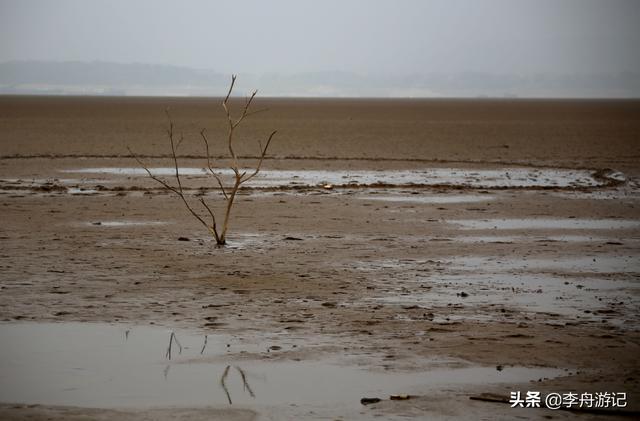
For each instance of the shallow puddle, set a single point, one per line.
(120, 224)
(545, 223)
(55, 186)
(37, 182)
(630, 193)
(583, 298)
(432, 199)
(567, 264)
(599, 288)
(500, 178)
(98, 365)
(570, 265)
(82, 191)
(509, 239)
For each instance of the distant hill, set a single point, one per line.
(105, 78)
(34, 76)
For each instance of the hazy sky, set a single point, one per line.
(399, 37)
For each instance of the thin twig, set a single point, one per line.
(245, 383)
(213, 226)
(246, 107)
(224, 385)
(173, 338)
(204, 345)
(261, 110)
(177, 190)
(168, 353)
(232, 127)
(262, 155)
(151, 175)
(211, 171)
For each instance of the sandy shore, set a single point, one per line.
(383, 275)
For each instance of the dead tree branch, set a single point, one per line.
(240, 177)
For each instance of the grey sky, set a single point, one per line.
(371, 38)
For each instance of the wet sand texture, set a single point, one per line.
(525, 253)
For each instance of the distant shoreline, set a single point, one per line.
(335, 98)
(137, 79)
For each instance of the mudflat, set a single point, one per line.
(385, 237)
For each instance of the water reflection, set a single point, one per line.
(503, 177)
(173, 339)
(245, 383)
(101, 366)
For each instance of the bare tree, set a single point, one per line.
(240, 176)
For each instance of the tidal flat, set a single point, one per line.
(430, 249)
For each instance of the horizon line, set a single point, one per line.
(277, 97)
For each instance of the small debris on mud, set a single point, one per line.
(399, 397)
(61, 313)
(183, 239)
(369, 401)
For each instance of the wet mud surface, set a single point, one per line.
(384, 282)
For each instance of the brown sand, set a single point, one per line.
(56, 265)
(559, 132)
